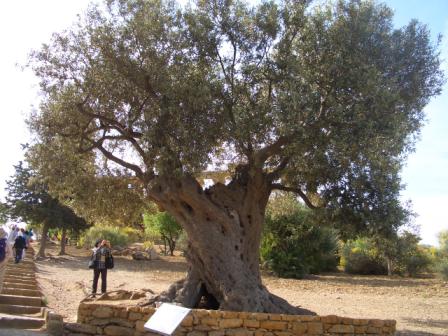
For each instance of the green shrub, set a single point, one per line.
(416, 262)
(112, 233)
(360, 256)
(408, 257)
(442, 268)
(148, 244)
(293, 245)
(133, 235)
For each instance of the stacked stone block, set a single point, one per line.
(113, 320)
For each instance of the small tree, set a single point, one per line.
(29, 200)
(410, 258)
(443, 243)
(441, 264)
(163, 224)
(361, 256)
(400, 255)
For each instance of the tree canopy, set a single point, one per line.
(87, 184)
(328, 99)
(321, 100)
(28, 200)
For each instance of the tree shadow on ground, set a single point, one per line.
(369, 280)
(425, 323)
(428, 323)
(164, 264)
(417, 333)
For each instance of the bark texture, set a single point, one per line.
(224, 225)
(43, 241)
(63, 241)
(389, 266)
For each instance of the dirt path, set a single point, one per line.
(420, 306)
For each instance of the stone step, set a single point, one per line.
(21, 322)
(13, 285)
(19, 332)
(21, 310)
(21, 267)
(22, 263)
(21, 300)
(27, 261)
(27, 269)
(19, 276)
(21, 272)
(22, 292)
(19, 280)
(15, 271)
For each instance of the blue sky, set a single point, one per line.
(425, 174)
(25, 24)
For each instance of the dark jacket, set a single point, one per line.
(99, 255)
(19, 243)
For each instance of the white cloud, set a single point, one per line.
(432, 217)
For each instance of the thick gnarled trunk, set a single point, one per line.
(224, 226)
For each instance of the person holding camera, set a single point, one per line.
(101, 257)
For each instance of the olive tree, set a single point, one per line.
(324, 101)
(83, 181)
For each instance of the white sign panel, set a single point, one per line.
(166, 319)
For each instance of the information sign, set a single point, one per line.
(166, 319)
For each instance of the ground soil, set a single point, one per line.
(420, 306)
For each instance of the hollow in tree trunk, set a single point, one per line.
(224, 225)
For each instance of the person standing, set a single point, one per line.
(19, 245)
(5, 254)
(101, 251)
(14, 233)
(25, 235)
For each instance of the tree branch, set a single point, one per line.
(126, 133)
(275, 174)
(112, 122)
(138, 172)
(276, 186)
(263, 154)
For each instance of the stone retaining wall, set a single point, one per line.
(113, 320)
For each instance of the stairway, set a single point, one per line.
(21, 304)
